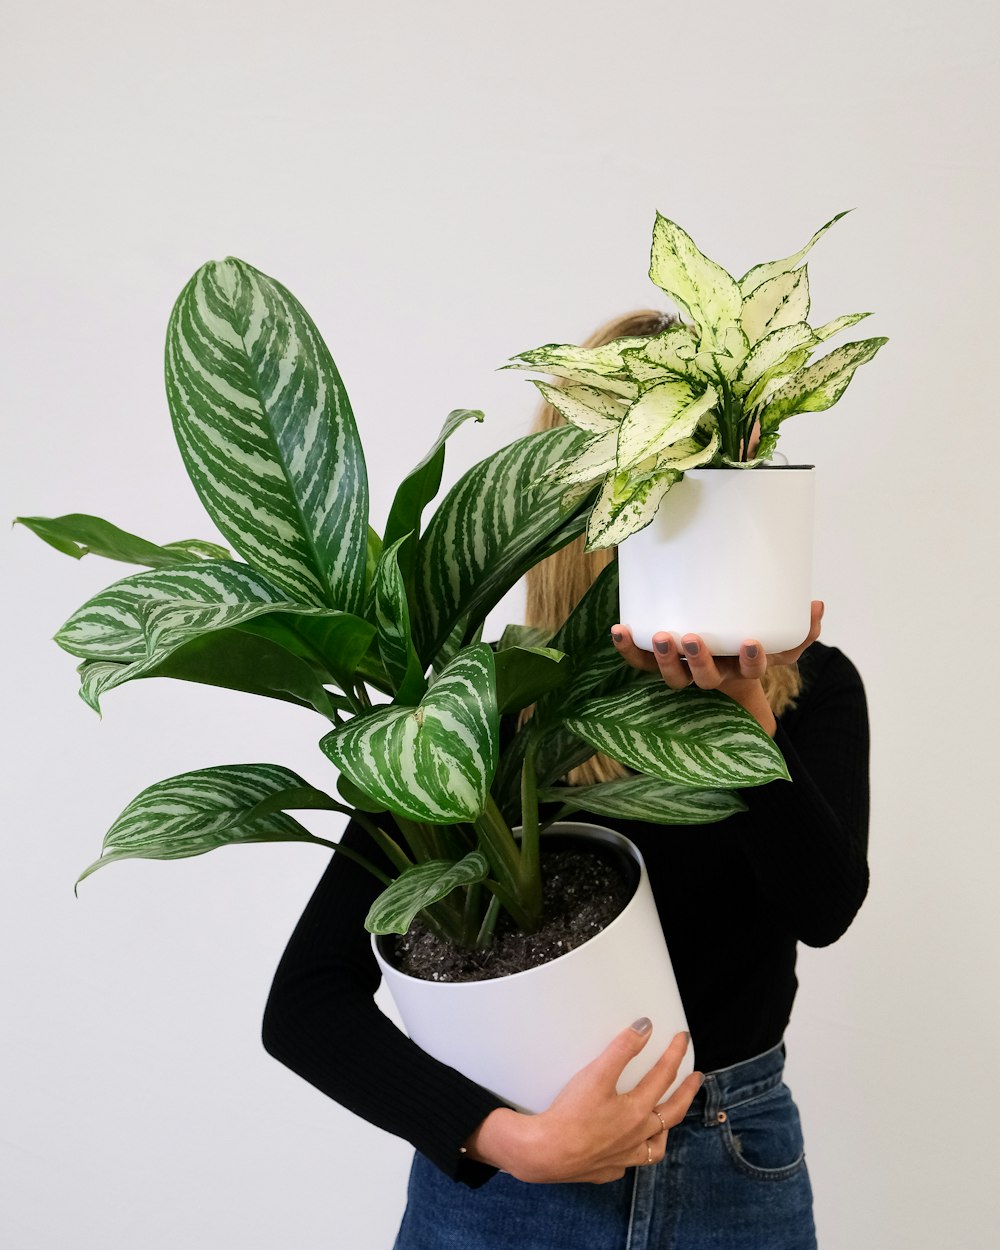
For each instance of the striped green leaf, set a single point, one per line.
(698, 285)
(420, 886)
(666, 414)
(780, 301)
(496, 522)
(647, 798)
(267, 435)
(392, 619)
(433, 762)
(700, 739)
(199, 811)
(760, 274)
(138, 621)
(819, 385)
(78, 534)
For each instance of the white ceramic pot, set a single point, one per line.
(523, 1036)
(728, 555)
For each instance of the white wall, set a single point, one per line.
(445, 184)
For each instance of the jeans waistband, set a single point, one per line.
(728, 1087)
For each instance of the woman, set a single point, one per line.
(719, 1164)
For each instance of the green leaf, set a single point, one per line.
(627, 503)
(698, 285)
(771, 352)
(267, 435)
(355, 797)
(665, 414)
(699, 739)
(434, 762)
(522, 636)
(587, 465)
(647, 798)
(524, 674)
(584, 406)
(830, 328)
(760, 274)
(670, 354)
(392, 619)
(337, 641)
(494, 524)
(419, 487)
(199, 811)
(420, 886)
(819, 385)
(78, 534)
(601, 367)
(780, 301)
(141, 619)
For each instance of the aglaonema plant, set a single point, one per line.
(380, 636)
(690, 396)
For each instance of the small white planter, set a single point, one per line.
(728, 555)
(523, 1036)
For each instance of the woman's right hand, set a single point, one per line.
(591, 1132)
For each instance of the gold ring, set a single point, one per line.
(660, 1118)
(649, 1153)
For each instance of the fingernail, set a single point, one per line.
(643, 1024)
(691, 648)
(662, 645)
(617, 635)
(752, 652)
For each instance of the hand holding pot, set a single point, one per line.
(591, 1132)
(683, 660)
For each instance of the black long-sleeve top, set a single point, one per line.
(734, 898)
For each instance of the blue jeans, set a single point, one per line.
(734, 1178)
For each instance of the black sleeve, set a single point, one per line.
(807, 842)
(322, 1022)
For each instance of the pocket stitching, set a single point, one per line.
(751, 1169)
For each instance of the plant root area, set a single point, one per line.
(581, 894)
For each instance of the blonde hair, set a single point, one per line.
(557, 584)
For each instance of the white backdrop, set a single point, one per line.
(443, 185)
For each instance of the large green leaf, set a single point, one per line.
(79, 534)
(780, 301)
(494, 524)
(138, 621)
(700, 739)
(666, 414)
(267, 434)
(698, 285)
(760, 274)
(199, 811)
(524, 674)
(420, 886)
(433, 762)
(647, 798)
(392, 619)
(819, 385)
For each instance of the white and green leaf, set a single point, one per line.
(267, 435)
(584, 406)
(433, 762)
(830, 328)
(760, 274)
(420, 886)
(697, 284)
(773, 350)
(589, 464)
(780, 301)
(818, 386)
(391, 614)
(667, 413)
(626, 504)
(647, 798)
(600, 367)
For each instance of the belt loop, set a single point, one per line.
(712, 1100)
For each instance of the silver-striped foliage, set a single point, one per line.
(648, 798)
(420, 886)
(266, 432)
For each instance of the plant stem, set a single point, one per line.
(500, 849)
(485, 935)
(530, 867)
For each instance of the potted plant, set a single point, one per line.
(686, 412)
(381, 637)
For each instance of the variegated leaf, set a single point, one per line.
(584, 406)
(648, 798)
(700, 286)
(199, 811)
(772, 350)
(598, 457)
(600, 367)
(664, 415)
(780, 301)
(700, 739)
(830, 328)
(266, 432)
(433, 762)
(420, 886)
(79, 534)
(673, 351)
(496, 522)
(819, 385)
(627, 503)
(760, 274)
(392, 620)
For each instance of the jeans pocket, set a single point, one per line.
(763, 1136)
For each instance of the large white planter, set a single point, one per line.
(728, 555)
(523, 1036)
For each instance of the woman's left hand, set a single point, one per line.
(738, 676)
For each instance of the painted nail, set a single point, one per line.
(616, 635)
(691, 648)
(752, 652)
(662, 645)
(643, 1024)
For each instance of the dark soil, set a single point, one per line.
(582, 893)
